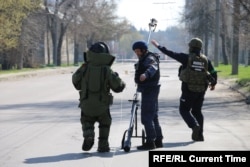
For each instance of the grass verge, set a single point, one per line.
(242, 78)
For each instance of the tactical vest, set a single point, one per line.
(196, 72)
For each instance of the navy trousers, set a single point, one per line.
(149, 113)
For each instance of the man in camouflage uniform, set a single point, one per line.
(196, 74)
(94, 79)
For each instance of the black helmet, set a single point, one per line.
(140, 45)
(99, 47)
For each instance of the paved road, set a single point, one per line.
(39, 122)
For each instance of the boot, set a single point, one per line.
(103, 146)
(103, 149)
(149, 145)
(158, 143)
(200, 138)
(87, 143)
(195, 133)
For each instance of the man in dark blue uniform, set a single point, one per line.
(147, 75)
(196, 74)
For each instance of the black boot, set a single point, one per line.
(149, 145)
(87, 143)
(158, 143)
(195, 133)
(103, 145)
(200, 138)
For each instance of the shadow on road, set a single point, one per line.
(83, 155)
(177, 144)
(66, 157)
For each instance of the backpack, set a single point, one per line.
(196, 73)
(95, 81)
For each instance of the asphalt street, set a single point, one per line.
(40, 126)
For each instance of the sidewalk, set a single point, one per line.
(36, 73)
(231, 83)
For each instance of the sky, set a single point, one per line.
(139, 12)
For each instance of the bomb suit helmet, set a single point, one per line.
(99, 47)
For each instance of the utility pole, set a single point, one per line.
(217, 32)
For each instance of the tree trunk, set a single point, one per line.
(54, 40)
(223, 48)
(223, 35)
(206, 41)
(67, 48)
(20, 57)
(236, 24)
(217, 33)
(63, 29)
(47, 41)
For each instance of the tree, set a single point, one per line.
(245, 28)
(12, 15)
(31, 41)
(88, 20)
(59, 16)
(199, 19)
(224, 32)
(125, 44)
(99, 22)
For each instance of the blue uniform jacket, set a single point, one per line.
(148, 65)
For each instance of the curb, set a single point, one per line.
(235, 87)
(35, 73)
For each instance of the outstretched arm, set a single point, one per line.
(180, 57)
(155, 43)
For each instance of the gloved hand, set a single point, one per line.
(211, 80)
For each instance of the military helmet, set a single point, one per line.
(195, 43)
(99, 47)
(140, 45)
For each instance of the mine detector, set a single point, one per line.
(128, 134)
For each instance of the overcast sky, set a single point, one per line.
(139, 12)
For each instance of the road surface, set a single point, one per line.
(39, 121)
